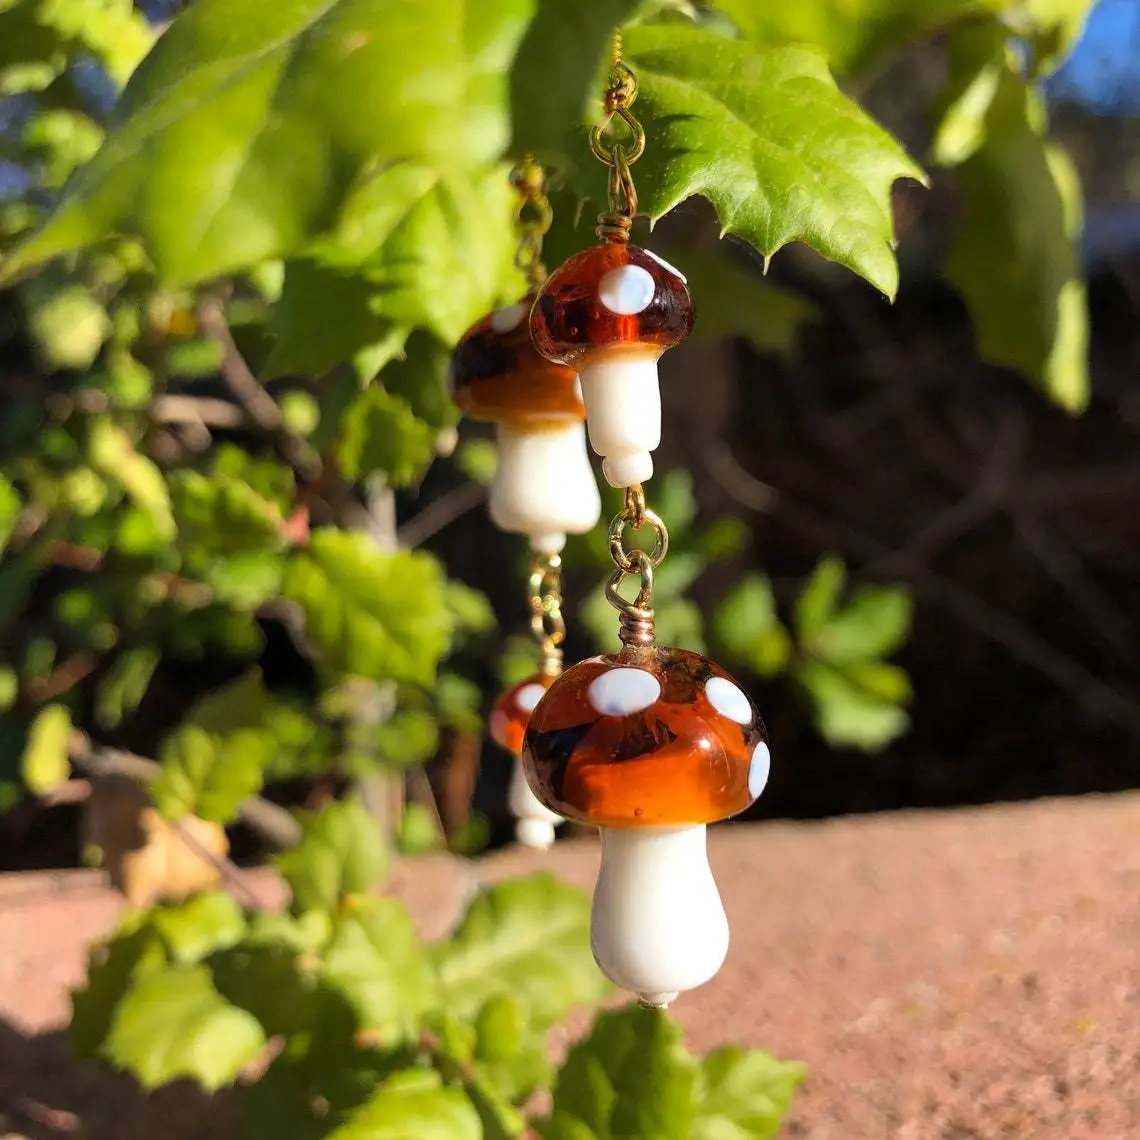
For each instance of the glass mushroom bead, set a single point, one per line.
(544, 486)
(534, 823)
(650, 745)
(610, 312)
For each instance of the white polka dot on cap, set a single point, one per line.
(627, 290)
(529, 696)
(759, 769)
(623, 691)
(507, 320)
(729, 699)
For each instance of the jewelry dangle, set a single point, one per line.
(612, 310)
(650, 744)
(544, 486)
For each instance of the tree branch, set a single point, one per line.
(270, 821)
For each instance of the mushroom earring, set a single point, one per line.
(650, 744)
(612, 310)
(544, 486)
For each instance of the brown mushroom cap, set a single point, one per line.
(496, 375)
(511, 712)
(656, 738)
(611, 296)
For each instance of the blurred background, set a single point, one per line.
(924, 568)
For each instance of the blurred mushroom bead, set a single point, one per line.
(610, 312)
(534, 823)
(544, 486)
(651, 746)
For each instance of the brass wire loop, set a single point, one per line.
(635, 625)
(545, 598)
(619, 151)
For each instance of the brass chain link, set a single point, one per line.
(546, 620)
(636, 617)
(533, 217)
(619, 141)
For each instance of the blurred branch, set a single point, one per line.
(1022, 643)
(256, 402)
(273, 823)
(202, 410)
(441, 513)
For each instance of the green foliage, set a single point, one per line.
(632, 1079)
(834, 650)
(216, 757)
(340, 856)
(45, 761)
(1015, 258)
(371, 614)
(316, 194)
(525, 938)
(697, 86)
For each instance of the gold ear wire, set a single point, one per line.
(620, 94)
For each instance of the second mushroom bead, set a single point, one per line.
(609, 313)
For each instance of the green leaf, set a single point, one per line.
(507, 1052)
(377, 963)
(851, 33)
(470, 608)
(371, 613)
(112, 453)
(819, 597)
(557, 76)
(680, 622)
(419, 831)
(880, 679)
(200, 926)
(421, 377)
(873, 624)
(67, 324)
(846, 715)
(46, 763)
(326, 317)
(478, 459)
(173, 1023)
(229, 536)
(675, 500)
(748, 626)
(9, 511)
(977, 57)
(216, 758)
(529, 937)
(112, 969)
(770, 140)
(240, 136)
(267, 981)
(734, 300)
(409, 737)
(457, 702)
(744, 1094)
(435, 251)
(1015, 256)
(379, 432)
(631, 1079)
(413, 1105)
(125, 685)
(341, 854)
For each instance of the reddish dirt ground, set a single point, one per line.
(971, 975)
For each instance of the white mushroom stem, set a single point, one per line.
(535, 822)
(658, 926)
(544, 485)
(623, 413)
